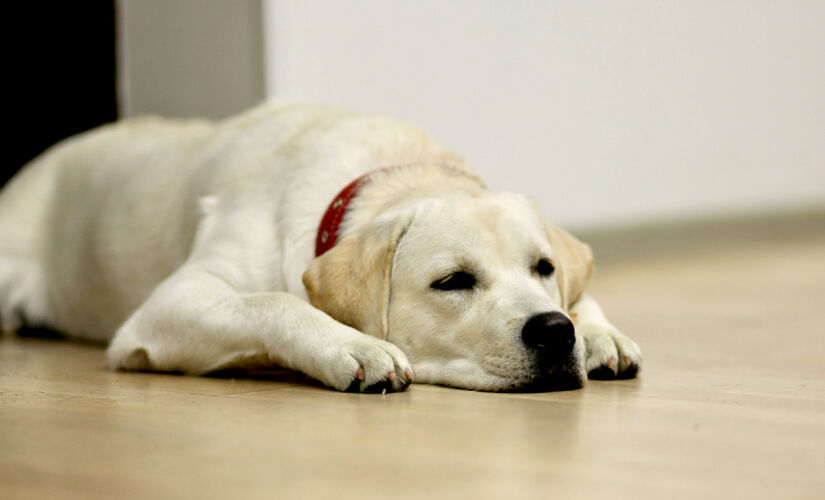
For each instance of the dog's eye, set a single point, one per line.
(545, 267)
(455, 281)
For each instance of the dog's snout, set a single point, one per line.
(550, 334)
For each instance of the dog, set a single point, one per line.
(196, 246)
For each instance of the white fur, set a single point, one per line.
(184, 243)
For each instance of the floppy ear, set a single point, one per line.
(351, 281)
(574, 261)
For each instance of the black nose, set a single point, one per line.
(551, 335)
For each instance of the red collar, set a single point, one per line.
(328, 230)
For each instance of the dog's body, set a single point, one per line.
(190, 245)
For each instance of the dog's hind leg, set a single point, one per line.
(24, 209)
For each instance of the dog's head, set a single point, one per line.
(473, 288)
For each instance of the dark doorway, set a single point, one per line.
(62, 75)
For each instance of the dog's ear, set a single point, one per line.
(351, 281)
(574, 261)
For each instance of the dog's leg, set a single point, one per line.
(608, 352)
(196, 322)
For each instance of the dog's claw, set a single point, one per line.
(611, 363)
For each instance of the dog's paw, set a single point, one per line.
(609, 354)
(367, 364)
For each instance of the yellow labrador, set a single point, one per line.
(191, 246)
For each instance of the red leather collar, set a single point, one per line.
(328, 230)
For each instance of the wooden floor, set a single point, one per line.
(730, 404)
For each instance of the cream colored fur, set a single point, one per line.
(189, 245)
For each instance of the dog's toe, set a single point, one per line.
(628, 367)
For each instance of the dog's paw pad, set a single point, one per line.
(354, 386)
(601, 373)
(605, 371)
(382, 387)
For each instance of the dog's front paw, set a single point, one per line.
(610, 354)
(367, 364)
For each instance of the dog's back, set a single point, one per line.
(39, 235)
(92, 226)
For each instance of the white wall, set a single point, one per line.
(187, 58)
(605, 112)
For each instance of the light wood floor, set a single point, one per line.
(730, 404)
